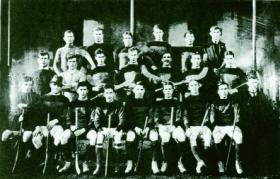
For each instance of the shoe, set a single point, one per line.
(129, 167)
(66, 167)
(221, 168)
(181, 168)
(85, 167)
(199, 166)
(155, 168)
(163, 167)
(117, 170)
(238, 167)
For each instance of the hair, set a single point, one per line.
(68, 32)
(131, 49)
(158, 26)
(73, 56)
(27, 79)
(141, 83)
(229, 53)
(98, 29)
(168, 83)
(109, 86)
(98, 51)
(83, 84)
(197, 53)
(127, 33)
(216, 28)
(188, 32)
(43, 53)
(252, 75)
(220, 83)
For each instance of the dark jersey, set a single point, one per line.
(56, 106)
(101, 114)
(84, 109)
(108, 50)
(100, 75)
(194, 109)
(224, 112)
(187, 52)
(232, 76)
(42, 79)
(215, 54)
(156, 50)
(163, 112)
(120, 54)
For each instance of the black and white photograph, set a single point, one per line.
(139, 89)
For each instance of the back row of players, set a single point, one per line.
(141, 94)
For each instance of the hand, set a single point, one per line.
(22, 105)
(52, 123)
(145, 132)
(73, 128)
(232, 91)
(92, 67)
(96, 88)
(153, 67)
(138, 130)
(20, 119)
(79, 132)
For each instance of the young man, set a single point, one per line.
(102, 74)
(120, 54)
(196, 114)
(72, 77)
(215, 50)
(60, 62)
(158, 46)
(225, 117)
(85, 130)
(168, 120)
(56, 105)
(108, 109)
(231, 74)
(166, 72)
(98, 37)
(43, 75)
(139, 116)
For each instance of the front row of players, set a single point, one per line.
(136, 119)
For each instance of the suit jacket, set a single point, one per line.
(215, 56)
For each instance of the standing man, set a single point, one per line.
(43, 75)
(61, 55)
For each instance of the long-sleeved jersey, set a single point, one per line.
(42, 79)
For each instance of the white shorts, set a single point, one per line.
(194, 132)
(220, 132)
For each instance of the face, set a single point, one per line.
(253, 85)
(68, 38)
(43, 61)
(72, 63)
(189, 39)
(133, 56)
(127, 40)
(109, 95)
(168, 91)
(223, 91)
(215, 34)
(27, 86)
(166, 58)
(196, 60)
(55, 89)
(100, 58)
(98, 36)
(158, 34)
(194, 87)
(229, 61)
(139, 91)
(82, 92)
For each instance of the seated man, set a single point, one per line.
(55, 106)
(225, 116)
(109, 109)
(168, 120)
(43, 75)
(195, 113)
(60, 62)
(80, 108)
(140, 124)
(72, 77)
(102, 74)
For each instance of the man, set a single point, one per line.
(231, 74)
(120, 54)
(60, 62)
(43, 75)
(196, 114)
(139, 116)
(55, 105)
(168, 120)
(85, 129)
(102, 74)
(225, 117)
(215, 50)
(72, 77)
(158, 46)
(109, 109)
(98, 37)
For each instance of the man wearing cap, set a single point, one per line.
(60, 62)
